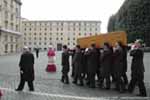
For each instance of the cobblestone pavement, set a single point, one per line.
(49, 87)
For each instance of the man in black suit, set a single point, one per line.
(137, 70)
(26, 69)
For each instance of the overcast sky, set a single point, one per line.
(71, 10)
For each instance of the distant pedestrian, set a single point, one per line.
(26, 70)
(137, 69)
(37, 52)
(51, 66)
(65, 65)
(78, 66)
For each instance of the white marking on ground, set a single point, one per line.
(75, 97)
(55, 95)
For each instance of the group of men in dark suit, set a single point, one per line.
(108, 64)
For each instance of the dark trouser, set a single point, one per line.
(108, 83)
(91, 79)
(37, 55)
(72, 74)
(98, 74)
(65, 77)
(22, 83)
(137, 79)
(113, 77)
(120, 86)
(125, 78)
(78, 77)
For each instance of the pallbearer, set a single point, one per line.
(51, 66)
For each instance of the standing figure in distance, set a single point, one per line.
(51, 67)
(26, 70)
(37, 52)
(65, 65)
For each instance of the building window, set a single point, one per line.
(34, 38)
(57, 29)
(6, 37)
(40, 38)
(34, 33)
(12, 17)
(95, 29)
(74, 39)
(24, 38)
(50, 43)
(45, 38)
(57, 39)
(29, 43)
(45, 29)
(74, 44)
(68, 43)
(25, 43)
(25, 29)
(61, 33)
(39, 43)
(61, 38)
(45, 43)
(6, 24)
(12, 26)
(40, 33)
(68, 38)
(50, 38)
(74, 29)
(45, 33)
(79, 34)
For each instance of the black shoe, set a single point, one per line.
(141, 95)
(31, 90)
(92, 86)
(81, 84)
(18, 89)
(74, 82)
(107, 88)
(62, 81)
(66, 82)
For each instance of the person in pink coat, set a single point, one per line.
(51, 67)
(0, 93)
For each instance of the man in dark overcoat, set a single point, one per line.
(137, 69)
(125, 65)
(78, 66)
(26, 70)
(106, 65)
(92, 65)
(118, 67)
(65, 65)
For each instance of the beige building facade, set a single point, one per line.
(10, 26)
(41, 34)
